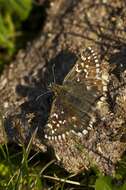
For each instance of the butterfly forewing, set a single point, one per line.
(90, 70)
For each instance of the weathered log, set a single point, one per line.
(70, 26)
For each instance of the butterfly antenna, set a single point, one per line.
(54, 81)
(53, 71)
(42, 95)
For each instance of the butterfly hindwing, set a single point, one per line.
(64, 119)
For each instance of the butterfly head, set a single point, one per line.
(55, 88)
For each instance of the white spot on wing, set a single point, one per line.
(84, 131)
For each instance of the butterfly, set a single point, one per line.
(83, 91)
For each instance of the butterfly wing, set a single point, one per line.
(65, 118)
(90, 70)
